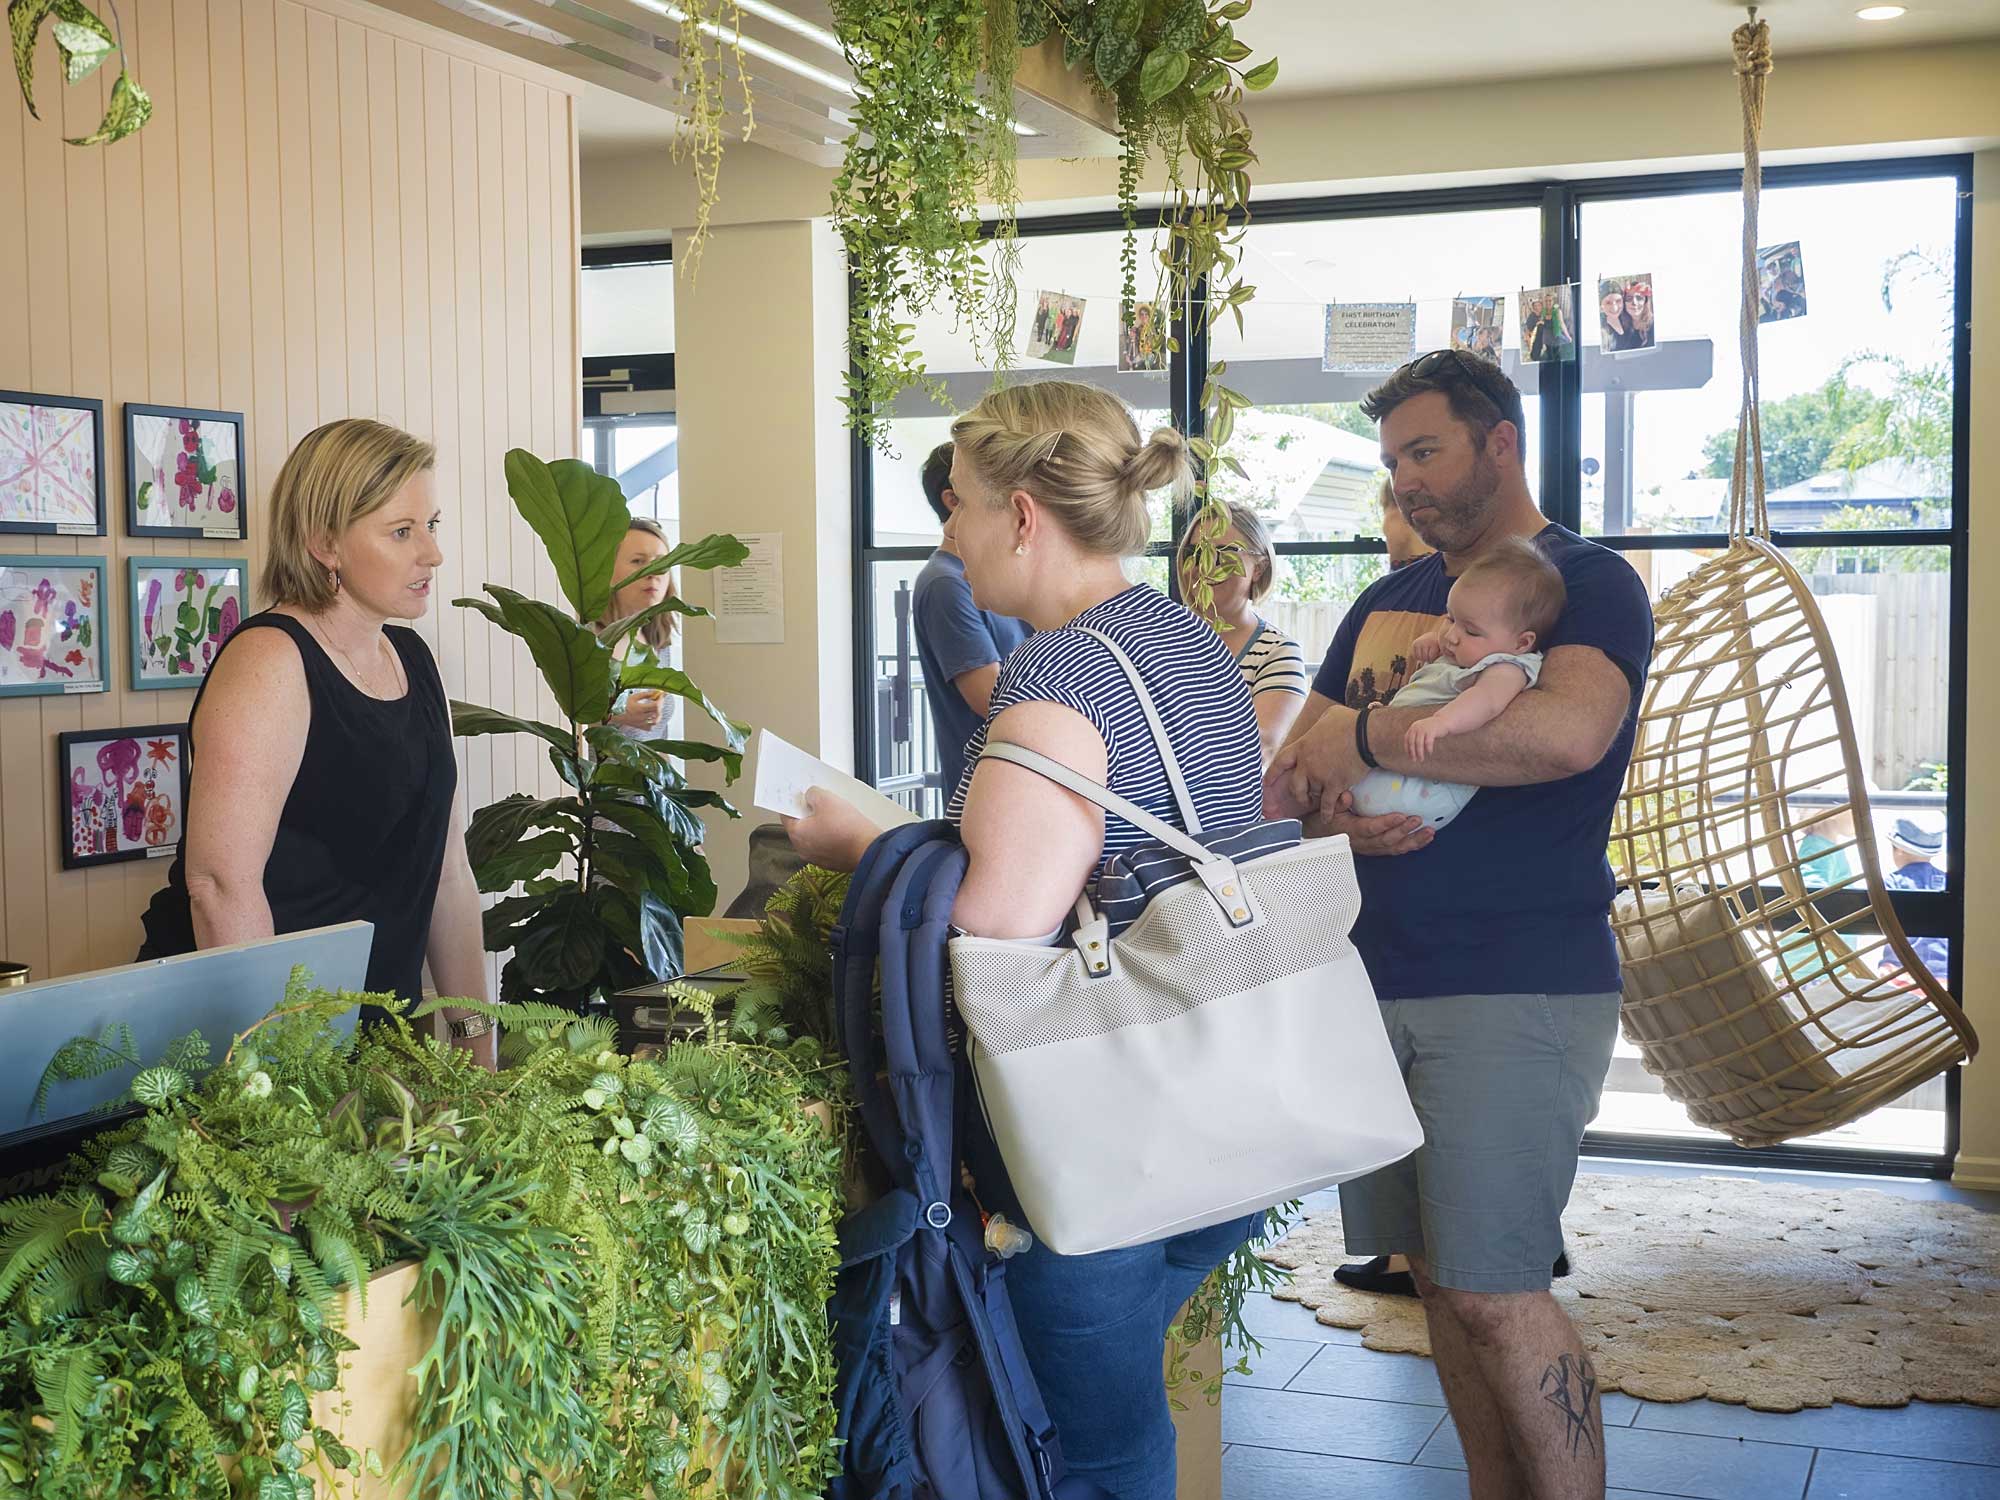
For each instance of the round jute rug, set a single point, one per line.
(1764, 1294)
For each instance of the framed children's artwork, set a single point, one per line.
(51, 625)
(51, 465)
(183, 609)
(184, 472)
(123, 793)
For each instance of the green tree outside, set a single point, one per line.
(1802, 432)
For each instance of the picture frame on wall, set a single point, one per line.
(51, 625)
(51, 465)
(184, 473)
(121, 793)
(182, 610)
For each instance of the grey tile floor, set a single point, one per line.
(1321, 1418)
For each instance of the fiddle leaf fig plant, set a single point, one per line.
(607, 871)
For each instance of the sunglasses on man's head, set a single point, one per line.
(1482, 373)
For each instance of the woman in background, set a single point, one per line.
(1272, 665)
(644, 713)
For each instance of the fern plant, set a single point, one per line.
(627, 1261)
(788, 962)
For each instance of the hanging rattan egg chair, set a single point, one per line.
(1762, 1016)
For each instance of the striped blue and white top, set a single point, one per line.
(1196, 686)
(1272, 663)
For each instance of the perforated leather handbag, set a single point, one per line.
(1204, 1044)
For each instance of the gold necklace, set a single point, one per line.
(360, 678)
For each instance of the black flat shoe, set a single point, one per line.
(1375, 1276)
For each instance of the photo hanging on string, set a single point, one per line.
(1369, 338)
(1142, 338)
(1058, 322)
(1477, 324)
(1625, 313)
(1781, 283)
(1548, 324)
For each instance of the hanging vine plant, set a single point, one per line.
(711, 36)
(930, 144)
(1178, 72)
(906, 199)
(83, 43)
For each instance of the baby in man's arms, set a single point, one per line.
(1471, 666)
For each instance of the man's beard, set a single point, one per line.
(1461, 516)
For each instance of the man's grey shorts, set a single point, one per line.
(1504, 1086)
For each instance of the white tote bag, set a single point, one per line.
(1222, 1054)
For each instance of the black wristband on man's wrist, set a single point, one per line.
(1361, 737)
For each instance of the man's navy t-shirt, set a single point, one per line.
(1514, 896)
(955, 636)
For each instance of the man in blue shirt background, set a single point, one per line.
(1489, 943)
(960, 644)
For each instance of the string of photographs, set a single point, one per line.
(1366, 338)
(1375, 337)
(1369, 337)
(1057, 325)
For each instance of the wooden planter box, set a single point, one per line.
(379, 1392)
(376, 1386)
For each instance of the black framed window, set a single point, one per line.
(1864, 409)
(631, 430)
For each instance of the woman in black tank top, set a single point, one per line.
(323, 785)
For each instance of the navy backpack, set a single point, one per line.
(935, 1397)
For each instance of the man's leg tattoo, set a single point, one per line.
(1569, 1385)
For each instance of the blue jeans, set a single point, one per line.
(1095, 1329)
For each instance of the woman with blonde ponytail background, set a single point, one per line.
(1052, 479)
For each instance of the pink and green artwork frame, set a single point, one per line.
(183, 609)
(51, 625)
(184, 473)
(51, 465)
(121, 793)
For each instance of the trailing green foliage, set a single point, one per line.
(711, 47)
(907, 196)
(930, 146)
(1216, 1311)
(607, 872)
(627, 1261)
(83, 43)
(1179, 74)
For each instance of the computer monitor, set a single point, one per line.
(219, 992)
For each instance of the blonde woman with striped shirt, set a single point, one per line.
(1273, 667)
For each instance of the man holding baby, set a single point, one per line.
(1480, 818)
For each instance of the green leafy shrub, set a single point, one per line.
(627, 1260)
